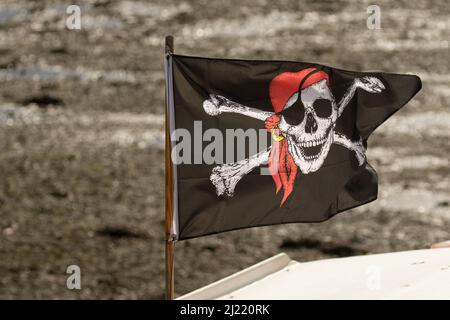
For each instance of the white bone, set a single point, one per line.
(216, 105)
(369, 84)
(226, 176)
(356, 146)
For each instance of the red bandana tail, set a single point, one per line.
(281, 164)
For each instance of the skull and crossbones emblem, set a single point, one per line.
(302, 128)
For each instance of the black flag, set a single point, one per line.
(259, 143)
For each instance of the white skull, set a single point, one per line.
(310, 140)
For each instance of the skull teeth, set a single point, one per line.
(312, 143)
(311, 157)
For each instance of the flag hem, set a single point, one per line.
(168, 70)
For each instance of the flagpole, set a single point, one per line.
(170, 243)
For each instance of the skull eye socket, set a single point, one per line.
(323, 108)
(295, 113)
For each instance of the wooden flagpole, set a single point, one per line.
(170, 243)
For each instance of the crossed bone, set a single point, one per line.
(226, 176)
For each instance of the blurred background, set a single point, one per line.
(81, 137)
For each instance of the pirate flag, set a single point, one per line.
(259, 143)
